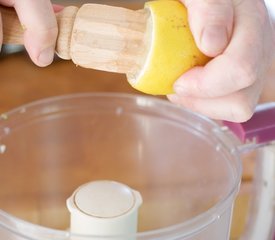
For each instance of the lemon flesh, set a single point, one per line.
(172, 49)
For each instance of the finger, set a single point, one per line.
(7, 3)
(10, 3)
(244, 62)
(40, 25)
(226, 108)
(211, 23)
(236, 107)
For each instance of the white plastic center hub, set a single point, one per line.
(104, 199)
(104, 208)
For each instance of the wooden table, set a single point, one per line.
(22, 82)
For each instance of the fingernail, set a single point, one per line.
(180, 87)
(180, 90)
(173, 98)
(46, 56)
(57, 8)
(214, 39)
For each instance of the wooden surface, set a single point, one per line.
(22, 82)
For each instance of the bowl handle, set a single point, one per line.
(259, 133)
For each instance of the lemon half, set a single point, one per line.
(171, 49)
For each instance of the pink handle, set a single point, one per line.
(259, 129)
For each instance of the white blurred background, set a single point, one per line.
(271, 6)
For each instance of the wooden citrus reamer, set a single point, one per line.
(153, 46)
(94, 36)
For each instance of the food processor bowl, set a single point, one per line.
(185, 167)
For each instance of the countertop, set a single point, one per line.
(23, 82)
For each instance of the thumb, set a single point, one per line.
(211, 23)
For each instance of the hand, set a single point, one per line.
(38, 19)
(238, 35)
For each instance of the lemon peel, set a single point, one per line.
(171, 49)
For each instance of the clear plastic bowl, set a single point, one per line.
(181, 163)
